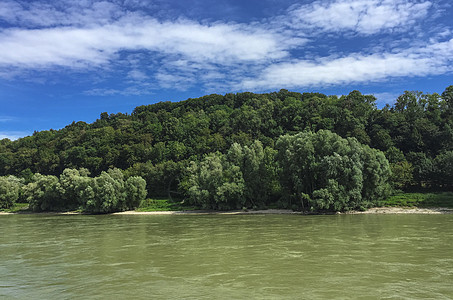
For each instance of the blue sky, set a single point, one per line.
(64, 61)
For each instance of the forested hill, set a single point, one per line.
(159, 141)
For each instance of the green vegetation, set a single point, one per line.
(244, 177)
(17, 207)
(444, 199)
(10, 187)
(75, 190)
(322, 171)
(304, 151)
(164, 205)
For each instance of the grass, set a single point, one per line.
(444, 199)
(163, 205)
(147, 205)
(17, 207)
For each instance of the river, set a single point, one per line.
(226, 257)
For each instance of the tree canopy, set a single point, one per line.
(237, 137)
(322, 171)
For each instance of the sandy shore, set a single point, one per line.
(404, 210)
(40, 213)
(376, 210)
(213, 212)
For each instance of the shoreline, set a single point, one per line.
(213, 212)
(374, 210)
(404, 210)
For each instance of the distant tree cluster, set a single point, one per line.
(168, 143)
(310, 171)
(246, 176)
(74, 189)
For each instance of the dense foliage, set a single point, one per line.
(322, 171)
(244, 177)
(178, 148)
(10, 187)
(74, 189)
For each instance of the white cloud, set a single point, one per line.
(82, 47)
(13, 135)
(175, 81)
(431, 60)
(362, 16)
(137, 75)
(111, 38)
(65, 12)
(128, 91)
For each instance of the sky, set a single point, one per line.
(63, 60)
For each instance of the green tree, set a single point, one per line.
(422, 170)
(135, 188)
(443, 166)
(322, 171)
(43, 193)
(402, 174)
(257, 166)
(214, 183)
(73, 187)
(106, 193)
(9, 190)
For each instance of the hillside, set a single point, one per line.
(159, 141)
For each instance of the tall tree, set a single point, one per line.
(322, 171)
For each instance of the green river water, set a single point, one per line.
(226, 257)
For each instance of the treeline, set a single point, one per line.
(74, 190)
(166, 142)
(309, 172)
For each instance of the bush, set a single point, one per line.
(135, 187)
(43, 193)
(9, 191)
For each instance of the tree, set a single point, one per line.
(44, 193)
(157, 142)
(9, 190)
(443, 166)
(422, 170)
(322, 171)
(109, 194)
(73, 187)
(447, 96)
(257, 166)
(214, 183)
(355, 111)
(402, 174)
(135, 188)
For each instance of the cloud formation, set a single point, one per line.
(80, 47)
(361, 16)
(118, 36)
(430, 60)
(39, 14)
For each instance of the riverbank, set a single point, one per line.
(174, 212)
(404, 210)
(213, 212)
(374, 210)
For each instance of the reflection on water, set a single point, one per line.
(226, 257)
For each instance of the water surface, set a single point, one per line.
(226, 257)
